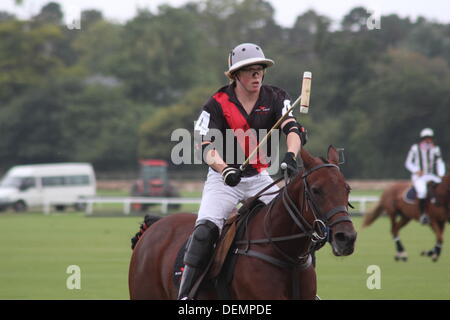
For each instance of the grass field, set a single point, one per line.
(35, 251)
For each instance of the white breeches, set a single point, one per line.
(420, 184)
(218, 199)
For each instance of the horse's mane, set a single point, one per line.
(148, 221)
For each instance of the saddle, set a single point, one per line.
(410, 195)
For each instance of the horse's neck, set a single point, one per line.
(443, 188)
(281, 223)
(446, 180)
(295, 190)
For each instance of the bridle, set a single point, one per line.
(317, 232)
(312, 204)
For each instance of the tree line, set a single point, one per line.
(110, 93)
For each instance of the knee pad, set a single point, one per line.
(294, 126)
(201, 244)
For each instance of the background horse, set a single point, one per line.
(402, 212)
(442, 192)
(281, 233)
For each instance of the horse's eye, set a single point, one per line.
(316, 191)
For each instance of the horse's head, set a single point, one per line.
(327, 196)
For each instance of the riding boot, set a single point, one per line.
(189, 277)
(424, 219)
(200, 248)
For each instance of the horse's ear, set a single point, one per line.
(333, 155)
(308, 160)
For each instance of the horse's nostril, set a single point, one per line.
(340, 237)
(345, 237)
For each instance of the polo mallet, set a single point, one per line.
(303, 99)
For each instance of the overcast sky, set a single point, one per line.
(286, 10)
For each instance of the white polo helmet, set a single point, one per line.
(427, 132)
(246, 54)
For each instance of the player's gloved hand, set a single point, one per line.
(231, 176)
(291, 164)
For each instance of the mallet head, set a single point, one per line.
(306, 92)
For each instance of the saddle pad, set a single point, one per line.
(410, 195)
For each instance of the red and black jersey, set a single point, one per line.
(223, 111)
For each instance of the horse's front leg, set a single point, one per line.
(401, 254)
(255, 279)
(258, 280)
(308, 284)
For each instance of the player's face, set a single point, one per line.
(251, 77)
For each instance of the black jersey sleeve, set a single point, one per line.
(282, 104)
(209, 118)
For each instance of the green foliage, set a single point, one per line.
(50, 13)
(395, 110)
(160, 55)
(156, 132)
(66, 120)
(100, 126)
(112, 92)
(97, 54)
(27, 56)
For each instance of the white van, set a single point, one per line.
(34, 185)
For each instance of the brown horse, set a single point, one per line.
(402, 212)
(290, 225)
